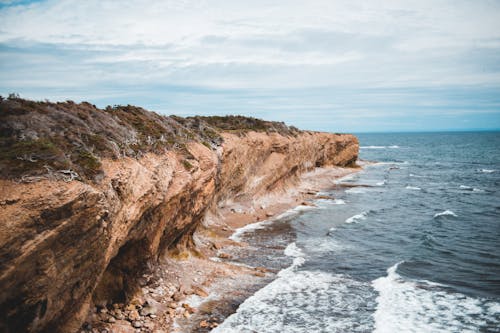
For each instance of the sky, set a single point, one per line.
(340, 66)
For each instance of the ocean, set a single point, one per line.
(410, 244)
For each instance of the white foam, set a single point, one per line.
(372, 147)
(356, 190)
(416, 176)
(469, 188)
(345, 178)
(379, 147)
(391, 163)
(487, 170)
(339, 202)
(237, 235)
(382, 183)
(413, 188)
(357, 217)
(445, 213)
(292, 250)
(423, 306)
(300, 302)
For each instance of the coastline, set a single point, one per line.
(232, 287)
(204, 285)
(194, 290)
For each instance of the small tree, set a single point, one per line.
(14, 96)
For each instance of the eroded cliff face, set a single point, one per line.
(67, 245)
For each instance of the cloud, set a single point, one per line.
(225, 53)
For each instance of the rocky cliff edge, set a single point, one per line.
(90, 198)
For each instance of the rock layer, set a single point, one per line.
(67, 245)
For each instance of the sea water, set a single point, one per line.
(412, 245)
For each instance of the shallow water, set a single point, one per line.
(416, 250)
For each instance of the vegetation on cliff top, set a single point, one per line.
(66, 140)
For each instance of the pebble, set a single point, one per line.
(134, 315)
(137, 324)
(111, 320)
(148, 310)
(204, 323)
(177, 296)
(223, 255)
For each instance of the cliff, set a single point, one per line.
(90, 198)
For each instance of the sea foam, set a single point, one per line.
(357, 217)
(379, 147)
(423, 306)
(445, 213)
(487, 170)
(415, 188)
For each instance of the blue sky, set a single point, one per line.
(343, 66)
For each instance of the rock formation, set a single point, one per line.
(89, 198)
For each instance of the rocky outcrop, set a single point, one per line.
(66, 244)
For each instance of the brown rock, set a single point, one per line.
(223, 255)
(200, 292)
(204, 324)
(134, 315)
(56, 255)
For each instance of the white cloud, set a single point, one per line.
(90, 46)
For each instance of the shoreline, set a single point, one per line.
(247, 280)
(195, 290)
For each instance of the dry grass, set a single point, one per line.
(41, 139)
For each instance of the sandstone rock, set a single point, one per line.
(173, 305)
(53, 240)
(223, 255)
(200, 292)
(134, 315)
(130, 307)
(188, 308)
(119, 314)
(148, 310)
(177, 296)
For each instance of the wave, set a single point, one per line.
(392, 163)
(416, 176)
(445, 213)
(357, 217)
(237, 235)
(424, 306)
(356, 190)
(469, 188)
(379, 147)
(487, 170)
(413, 188)
(300, 302)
